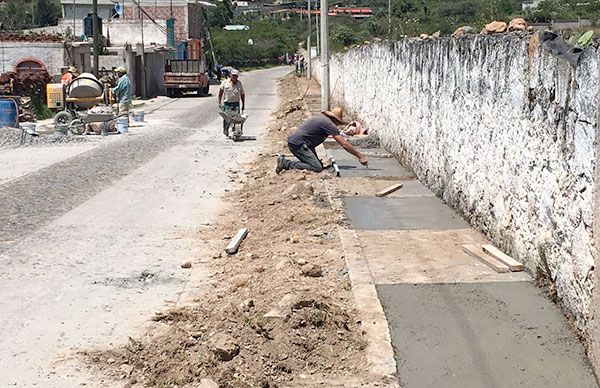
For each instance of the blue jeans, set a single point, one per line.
(307, 157)
(231, 106)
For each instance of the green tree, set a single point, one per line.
(221, 15)
(46, 12)
(15, 15)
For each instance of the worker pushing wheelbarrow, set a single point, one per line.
(231, 94)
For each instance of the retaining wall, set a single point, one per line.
(500, 128)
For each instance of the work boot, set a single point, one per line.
(280, 164)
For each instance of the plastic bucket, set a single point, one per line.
(137, 116)
(9, 113)
(122, 124)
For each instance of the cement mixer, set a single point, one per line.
(84, 92)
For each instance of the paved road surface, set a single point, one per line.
(91, 245)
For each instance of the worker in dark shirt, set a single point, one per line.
(303, 141)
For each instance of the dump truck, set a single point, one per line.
(183, 75)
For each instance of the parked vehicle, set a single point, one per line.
(183, 75)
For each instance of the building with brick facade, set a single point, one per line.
(188, 15)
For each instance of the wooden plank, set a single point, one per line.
(389, 190)
(235, 242)
(496, 253)
(478, 253)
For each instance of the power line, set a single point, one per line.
(160, 28)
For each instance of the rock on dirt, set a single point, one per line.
(246, 305)
(224, 347)
(239, 281)
(312, 270)
(207, 383)
(186, 264)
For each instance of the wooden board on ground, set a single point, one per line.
(389, 190)
(496, 253)
(478, 253)
(235, 242)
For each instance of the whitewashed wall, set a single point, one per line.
(502, 130)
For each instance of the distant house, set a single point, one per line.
(236, 27)
(530, 4)
(106, 9)
(355, 12)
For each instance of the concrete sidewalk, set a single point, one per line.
(452, 321)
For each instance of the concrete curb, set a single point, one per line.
(380, 354)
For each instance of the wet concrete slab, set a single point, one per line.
(427, 256)
(417, 213)
(482, 335)
(369, 187)
(378, 167)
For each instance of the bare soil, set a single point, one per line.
(280, 311)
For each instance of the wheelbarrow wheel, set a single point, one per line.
(63, 118)
(77, 126)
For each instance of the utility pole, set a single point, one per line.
(144, 87)
(324, 56)
(389, 18)
(73, 20)
(95, 35)
(309, 42)
(318, 34)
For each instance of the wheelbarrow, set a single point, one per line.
(234, 120)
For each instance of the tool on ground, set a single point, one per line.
(336, 169)
(389, 190)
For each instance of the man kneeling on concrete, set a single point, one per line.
(303, 141)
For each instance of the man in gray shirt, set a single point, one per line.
(303, 141)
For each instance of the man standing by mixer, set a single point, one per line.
(122, 92)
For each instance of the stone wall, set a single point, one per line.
(500, 128)
(51, 55)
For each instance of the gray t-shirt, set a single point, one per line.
(313, 131)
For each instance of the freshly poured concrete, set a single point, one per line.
(427, 256)
(421, 213)
(378, 167)
(489, 335)
(369, 187)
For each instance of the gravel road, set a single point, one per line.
(91, 246)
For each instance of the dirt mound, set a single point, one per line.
(280, 311)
